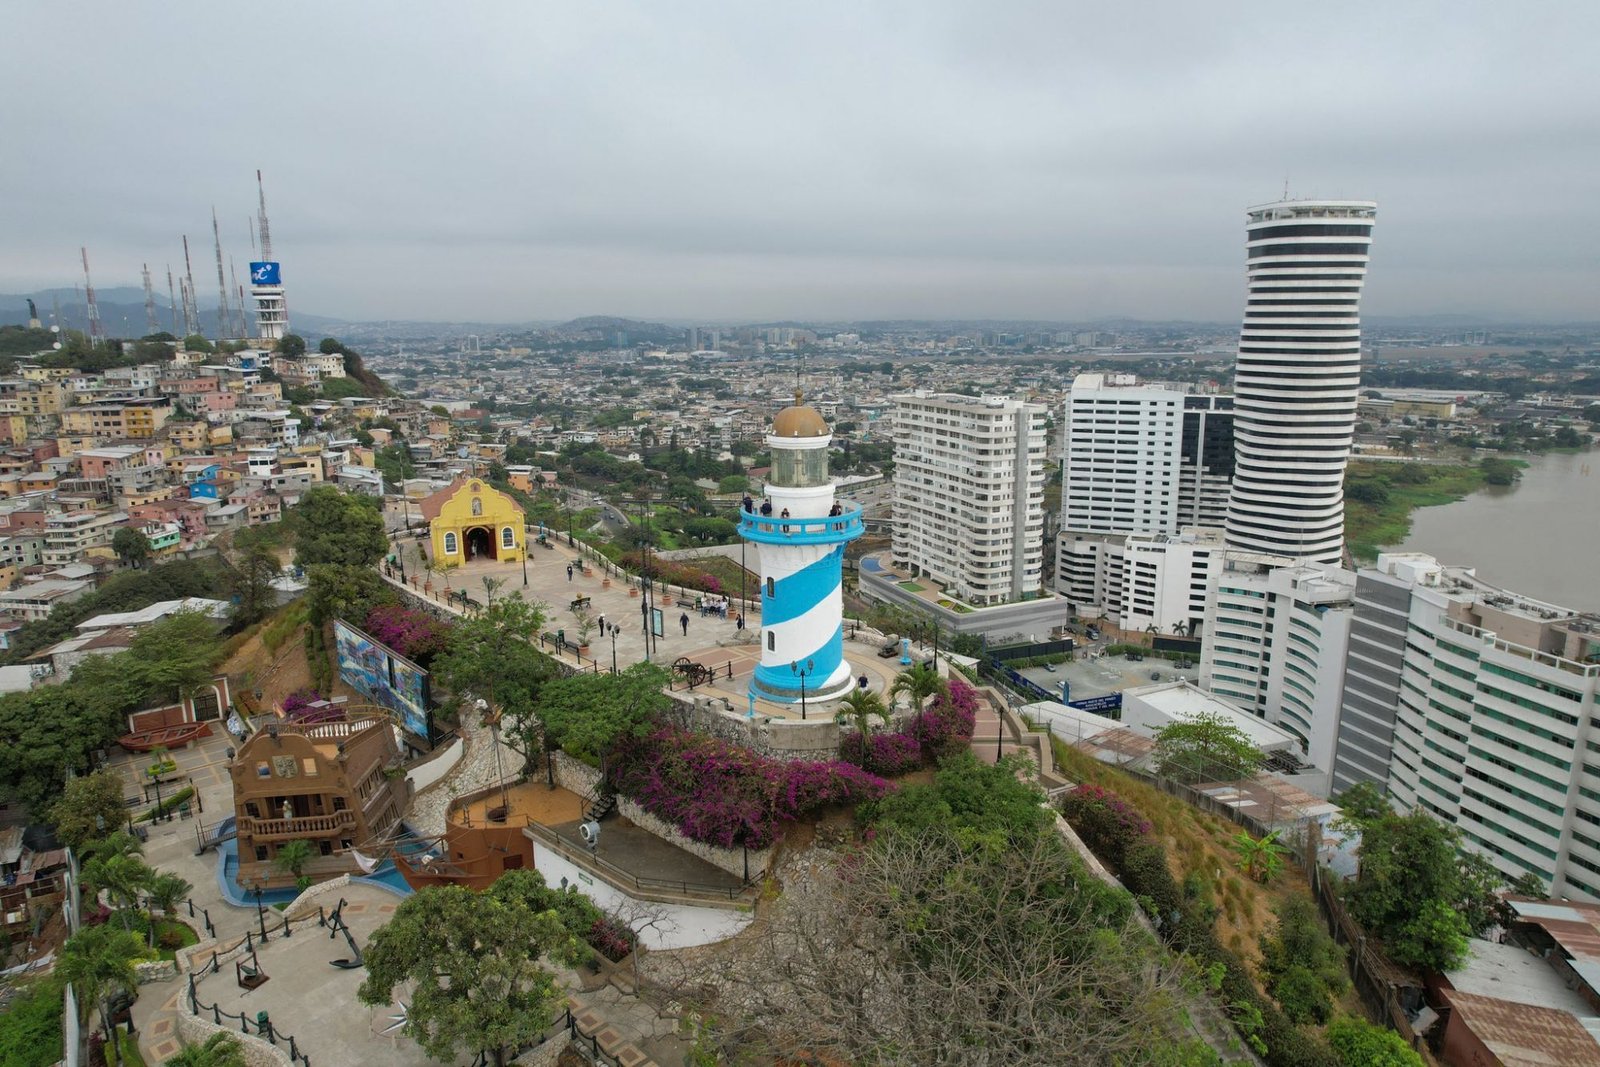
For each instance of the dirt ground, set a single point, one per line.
(253, 666)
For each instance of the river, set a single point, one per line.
(1538, 537)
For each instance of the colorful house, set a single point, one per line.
(471, 520)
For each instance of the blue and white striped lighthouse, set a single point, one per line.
(802, 531)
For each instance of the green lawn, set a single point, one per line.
(184, 932)
(911, 587)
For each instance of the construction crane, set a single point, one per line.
(150, 302)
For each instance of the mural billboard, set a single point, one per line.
(384, 675)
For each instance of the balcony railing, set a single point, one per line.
(297, 827)
(774, 529)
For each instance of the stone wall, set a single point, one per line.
(195, 1029)
(307, 902)
(576, 776)
(545, 1055)
(156, 971)
(728, 859)
(817, 739)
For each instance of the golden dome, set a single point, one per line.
(801, 420)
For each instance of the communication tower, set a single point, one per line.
(172, 299)
(191, 312)
(149, 302)
(223, 320)
(266, 280)
(97, 332)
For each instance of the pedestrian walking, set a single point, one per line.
(683, 620)
(602, 625)
(569, 572)
(738, 623)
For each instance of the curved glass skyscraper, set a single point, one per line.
(1298, 374)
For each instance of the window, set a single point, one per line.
(263, 769)
(261, 853)
(772, 641)
(450, 543)
(327, 847)
(338, 803)
(251, 810)
(772, 588)
(508, 538)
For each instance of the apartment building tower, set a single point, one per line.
(969, 494)
(1482, 707)
(1299, 370)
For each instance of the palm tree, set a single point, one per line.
(220, 1050)
(165, 891)
(919, 682)
(122, 877)
(861, 706)
(98, 961)
(1152, 630)
(293, 857)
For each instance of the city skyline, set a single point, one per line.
(507, 165)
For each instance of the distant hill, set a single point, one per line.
(122, 312)
(604, 327)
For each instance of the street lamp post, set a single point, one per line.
(261, 914)
(613, 650)
(524, 556)
(802, 673)
(157, 817)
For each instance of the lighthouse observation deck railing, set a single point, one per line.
(820, 529)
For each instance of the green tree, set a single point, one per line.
(166, 891)
(89, 807)
(292, 858)
(175, 657)
(255, 565)
(972, 799)
(472, 965)
(99, 961)
(131, 546)
(918, 682)
(734, 483)
(586, 714)
(490, 656)
(30, 1027)
(197, 342)
(218, 1050)
(336, 590)
(860, 707)
(1358, 1043)
(1261, 859)
(331, 527)
(1205, 748)
(1301, 966)
(292, 345)
(329, 346)
(123, 878)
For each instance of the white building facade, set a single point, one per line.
(969, 494)
(1495, 712)
(1299, 371)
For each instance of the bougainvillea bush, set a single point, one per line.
(295, 703)
(1108, 824)
(609, 938)
(888, 754)
(673, 573)
(720, 794)
(414, 634)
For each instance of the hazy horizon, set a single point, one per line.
(506, 163)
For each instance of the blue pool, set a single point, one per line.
(386, 876)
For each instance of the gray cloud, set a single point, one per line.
(1046, 160)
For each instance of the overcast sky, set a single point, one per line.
(514, 161)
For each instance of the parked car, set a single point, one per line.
(1093, 633)
(1051, 667)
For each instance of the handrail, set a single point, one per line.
(612, 873)
(300, 824)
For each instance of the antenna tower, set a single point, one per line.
(191, 312)
(224, 321)
(149, 302)
(238, 292)
(266, 233)
(172, 300)
(97, 332)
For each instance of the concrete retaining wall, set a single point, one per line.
(546, 1054)
(439, 764)
(728, 859)
(156, 971)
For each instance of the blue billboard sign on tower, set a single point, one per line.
(265, 274)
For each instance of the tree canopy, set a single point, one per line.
(88, 807)
(474, 961)
(490, 656)
(1205, 748)
(338, 528)
(586, 714)
(970, 799)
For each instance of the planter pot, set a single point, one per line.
(583, 650)
(605, 583)
(633, 591)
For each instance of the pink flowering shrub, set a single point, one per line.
(297, 700)
(721, 794)
(414, 634)
(1108, 824)
(612, 940)
(887, 754)
(674, 573)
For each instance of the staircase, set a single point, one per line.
(604, 803)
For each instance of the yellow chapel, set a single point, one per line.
(471, 520)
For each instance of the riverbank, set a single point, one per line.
(1380, 497)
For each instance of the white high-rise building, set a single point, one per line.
(1482, 707)
(969, 494)
(1299, 370)
(1276, 636)
(1144, 465)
